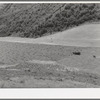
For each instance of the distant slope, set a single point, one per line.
(83, 32)
(84, 35)
(36, 20)
(22, 19)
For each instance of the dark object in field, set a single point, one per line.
(76, 53)
(94, 56)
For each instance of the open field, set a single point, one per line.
(23, 65)
(71, 59)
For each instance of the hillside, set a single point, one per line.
(36, 20)
(84, 35)
(87, 35)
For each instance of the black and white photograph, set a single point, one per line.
(49, 45)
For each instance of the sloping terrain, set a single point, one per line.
(18, 19)
(68, 58)
(87, 35)
(46, 75)
(36, 20)
(62, 69)
(84, 35)
(44, 63)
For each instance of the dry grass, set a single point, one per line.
(87, 35)
(49, 64)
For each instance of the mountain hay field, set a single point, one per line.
(52, 61)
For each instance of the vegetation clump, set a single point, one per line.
(76, 53)
(36, 20)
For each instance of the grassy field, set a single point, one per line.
(48, 64)
(87, 35)
(42, 63)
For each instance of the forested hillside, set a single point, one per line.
(36, 20)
